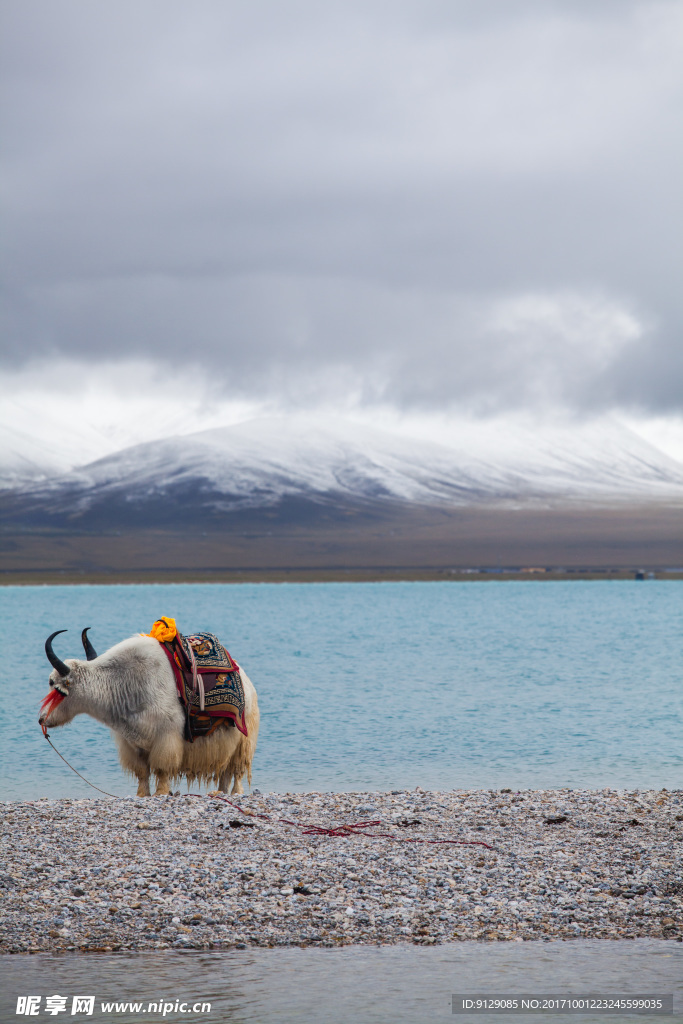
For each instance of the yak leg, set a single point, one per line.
(165, 759)
(143, 785)
(163, 788)
(233, 771)
(239, 764)
(224, 783)
(136, 762)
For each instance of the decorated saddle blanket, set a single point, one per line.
(211, 690)
(208, 652)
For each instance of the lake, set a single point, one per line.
(378, 686)
(355, 985)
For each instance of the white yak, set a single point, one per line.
(131, 689)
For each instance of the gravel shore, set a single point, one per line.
(195, 872)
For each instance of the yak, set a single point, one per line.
(131, 689)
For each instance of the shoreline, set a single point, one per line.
(60, 578)
(193, 872)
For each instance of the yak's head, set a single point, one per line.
(61, 703)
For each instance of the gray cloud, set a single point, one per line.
(427, 203)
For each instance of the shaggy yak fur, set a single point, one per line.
(131, 689)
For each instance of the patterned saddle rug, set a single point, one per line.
(211, 689)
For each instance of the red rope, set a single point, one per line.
(358, 828)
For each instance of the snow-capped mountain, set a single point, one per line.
(270, 463)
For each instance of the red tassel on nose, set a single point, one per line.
(50, 702)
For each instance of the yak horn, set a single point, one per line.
(90, 651)
(52, 657)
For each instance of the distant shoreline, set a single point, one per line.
(398, 544)
(333, 575)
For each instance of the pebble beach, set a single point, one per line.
(197, 872)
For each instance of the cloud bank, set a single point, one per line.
(425, 205)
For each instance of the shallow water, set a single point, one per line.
(358, 984)
(386, 685)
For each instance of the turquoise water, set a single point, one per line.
(386, 685)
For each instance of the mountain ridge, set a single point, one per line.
(298, 467)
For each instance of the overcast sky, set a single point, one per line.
(434, 205)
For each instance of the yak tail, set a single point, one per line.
(240, 763)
